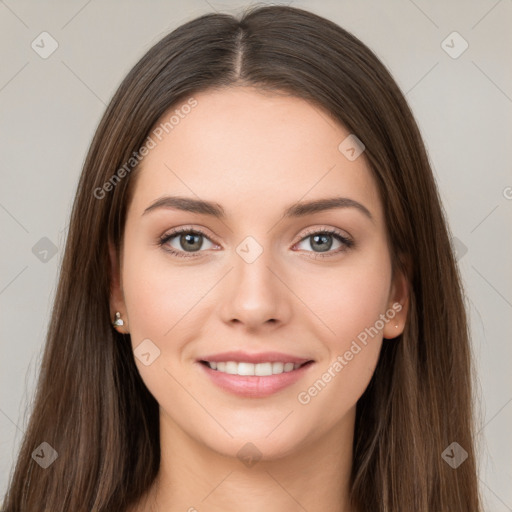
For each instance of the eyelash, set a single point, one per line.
(181, 254)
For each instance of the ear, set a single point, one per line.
(117, 303)
(398, 305)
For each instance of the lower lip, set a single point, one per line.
(254, 386)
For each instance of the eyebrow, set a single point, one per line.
(198, 206)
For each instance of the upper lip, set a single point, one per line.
(261, 357)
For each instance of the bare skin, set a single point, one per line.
(255, 155)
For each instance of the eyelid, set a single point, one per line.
(325, 229)
(185, 229)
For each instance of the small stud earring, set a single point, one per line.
(118, 320)
(396, 326)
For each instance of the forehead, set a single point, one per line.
(244, 149)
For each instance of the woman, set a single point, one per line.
(203, 352)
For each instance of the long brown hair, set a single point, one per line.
(91, 405)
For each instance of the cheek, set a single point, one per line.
(155, 305)
(157, 293)
(167, 303)
(346, 299)
(350, 303)
(159, 301)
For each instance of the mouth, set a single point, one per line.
(258, 379)
(247, 369)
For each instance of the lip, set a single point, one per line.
(251, 386)
(261, 357)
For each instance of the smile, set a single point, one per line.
(254, 380)
(251, 369)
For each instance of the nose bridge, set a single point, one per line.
(256, 295)
(252, 268)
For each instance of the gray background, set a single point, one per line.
(50, 109)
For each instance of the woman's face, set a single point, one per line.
(261, 280)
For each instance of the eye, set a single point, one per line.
(188, 241)
(322, 240)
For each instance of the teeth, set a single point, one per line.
(288, 367)
(259, 369)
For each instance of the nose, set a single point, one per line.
(254, 294)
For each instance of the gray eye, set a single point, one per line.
(320, 242)
(188, 241)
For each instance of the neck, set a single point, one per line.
(192, 477)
